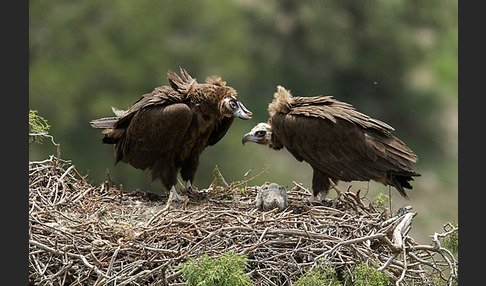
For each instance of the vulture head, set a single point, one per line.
(261, 134)
(230, 106)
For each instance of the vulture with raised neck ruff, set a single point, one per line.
(339, 142)
(167, 130)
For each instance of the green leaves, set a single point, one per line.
(225, 270)
(38, 127)
(451, 241)
(361, 275)
(322, 277)
(364, 275)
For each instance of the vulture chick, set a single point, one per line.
(271, 196)
(166, 130)
(339, 142)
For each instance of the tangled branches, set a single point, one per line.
(81, 234)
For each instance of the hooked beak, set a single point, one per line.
(242, 112)
(249, 137)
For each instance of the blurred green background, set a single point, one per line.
(393, 60)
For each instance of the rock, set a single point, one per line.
(271, 196)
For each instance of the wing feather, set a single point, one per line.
(220, 130)
(154, 130)
(183, 83)
(160, 96)
(340, 148)
(327, 107)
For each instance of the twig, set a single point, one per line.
(83, 194)
(262, 170)
(404, 254)
(350, 241)
(109, 177)
(112, 260)
(59, 252)
(300, 187)
(334, 187)
(245, 177)
(166, 208)
(387, 263)
(400, 230)
(220, 176)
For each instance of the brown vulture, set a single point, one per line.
(339, 142)
(166, 130)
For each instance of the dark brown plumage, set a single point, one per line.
(339, 142)
(166, 130)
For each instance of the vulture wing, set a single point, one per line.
(339, 141)
(326, 107)
(154, 131)
(163, 95)
(220, 130)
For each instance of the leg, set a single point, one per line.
(166, 171)
(188, 172)
(320, 185)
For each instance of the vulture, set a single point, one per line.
(271, 196)
(338, 142)
(167, 129)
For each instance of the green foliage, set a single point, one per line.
(451, 241)
(361, 275)
(437, 281)
(225, 270)
(220, 190)
(364, 275)
(322, 277)
(217, 176)
(37, 127)
(381, 200)
(240, 186)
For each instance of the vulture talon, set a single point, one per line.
(193, 192)
(175, 196)
(315, 202)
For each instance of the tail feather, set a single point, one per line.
(104, 123)
(400, 182)
(112, 133)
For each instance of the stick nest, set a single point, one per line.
(81, 234)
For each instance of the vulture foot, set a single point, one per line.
(316, 201)
(313, 201)
(175, 196)
(194, 192)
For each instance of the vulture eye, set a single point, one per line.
(232, 104)
(260, 133)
